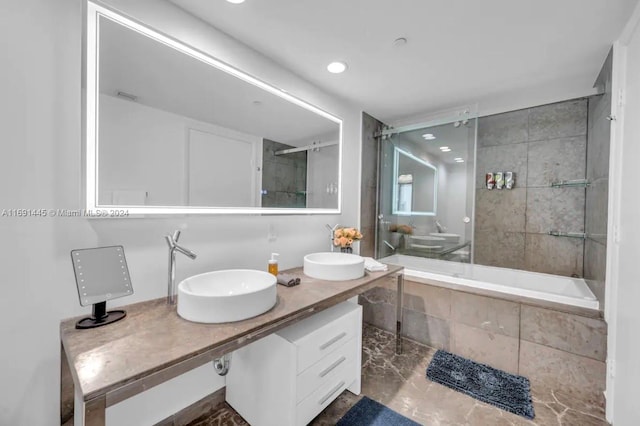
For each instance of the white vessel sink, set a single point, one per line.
(431, 237)
(333, 266)
(451, 238)
(226, 295)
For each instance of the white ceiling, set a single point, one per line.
(458, 51)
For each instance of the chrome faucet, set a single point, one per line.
(172, 240)
(332, 232)
(441, 229)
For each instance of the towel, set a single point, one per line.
(288, 280)
(372, 265)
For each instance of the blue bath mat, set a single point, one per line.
(368, 412)
(496, 387)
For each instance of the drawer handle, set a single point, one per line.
(332, 366)
(331, 392)
(332, 341)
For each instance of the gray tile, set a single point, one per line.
(426, 329)
(497, 350)
(558, 120)
(556, 160)
(269, 175)
(432, 300)
(596, 211)
(501, 210)
(549, 369)
(486, 313)
(497, 248)
(554, 255)
(368, 206)
(560, 209)
(286, 178)
(381, 315)
(570, 333)
(380, 295)
(503, 129)
(285, 199)
(595, 268)
(598, 148)
(367, 246)
(507, 158)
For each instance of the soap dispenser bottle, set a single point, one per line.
(273, 264)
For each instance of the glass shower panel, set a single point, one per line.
(426, 192)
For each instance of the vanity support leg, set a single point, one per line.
(90, 413)
(66, 388)
(400, 279)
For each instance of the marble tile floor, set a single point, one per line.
(399, 382)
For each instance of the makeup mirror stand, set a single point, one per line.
(100, 316)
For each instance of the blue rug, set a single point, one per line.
(368, 412)
(496, 387)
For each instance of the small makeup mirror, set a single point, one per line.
(101, 274)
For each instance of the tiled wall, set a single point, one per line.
(553, 349)
(368, 184)
(284, 177)
(598, 142)
(541, 145)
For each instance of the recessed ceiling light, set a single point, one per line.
(445, 148)
(458, 158)
(337, 67)
(236, 1)
(428, 136)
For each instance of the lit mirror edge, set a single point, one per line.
(90, 121)
(394, 197)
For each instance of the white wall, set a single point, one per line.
(40, 162)
(144, 149)
(623, 282)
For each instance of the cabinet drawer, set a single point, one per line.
(327, 369)
(324, 395)
(322, 333)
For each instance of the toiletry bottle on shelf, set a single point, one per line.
(273, 264)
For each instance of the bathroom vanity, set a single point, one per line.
(153, 344)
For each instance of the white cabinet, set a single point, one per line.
(289, 377)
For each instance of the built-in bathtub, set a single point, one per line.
(531, 285)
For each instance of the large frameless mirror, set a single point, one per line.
(170, 129)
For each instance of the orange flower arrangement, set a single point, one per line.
(344, 237)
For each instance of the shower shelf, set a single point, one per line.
(581, 235)
(575, 183)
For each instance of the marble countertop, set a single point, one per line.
(153, 344)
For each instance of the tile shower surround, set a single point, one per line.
(541, 145)
(284, 177)
(554, 349)
(368, 184)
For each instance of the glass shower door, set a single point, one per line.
(426, 191)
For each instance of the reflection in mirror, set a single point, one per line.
(416, 185)
(177, 129)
